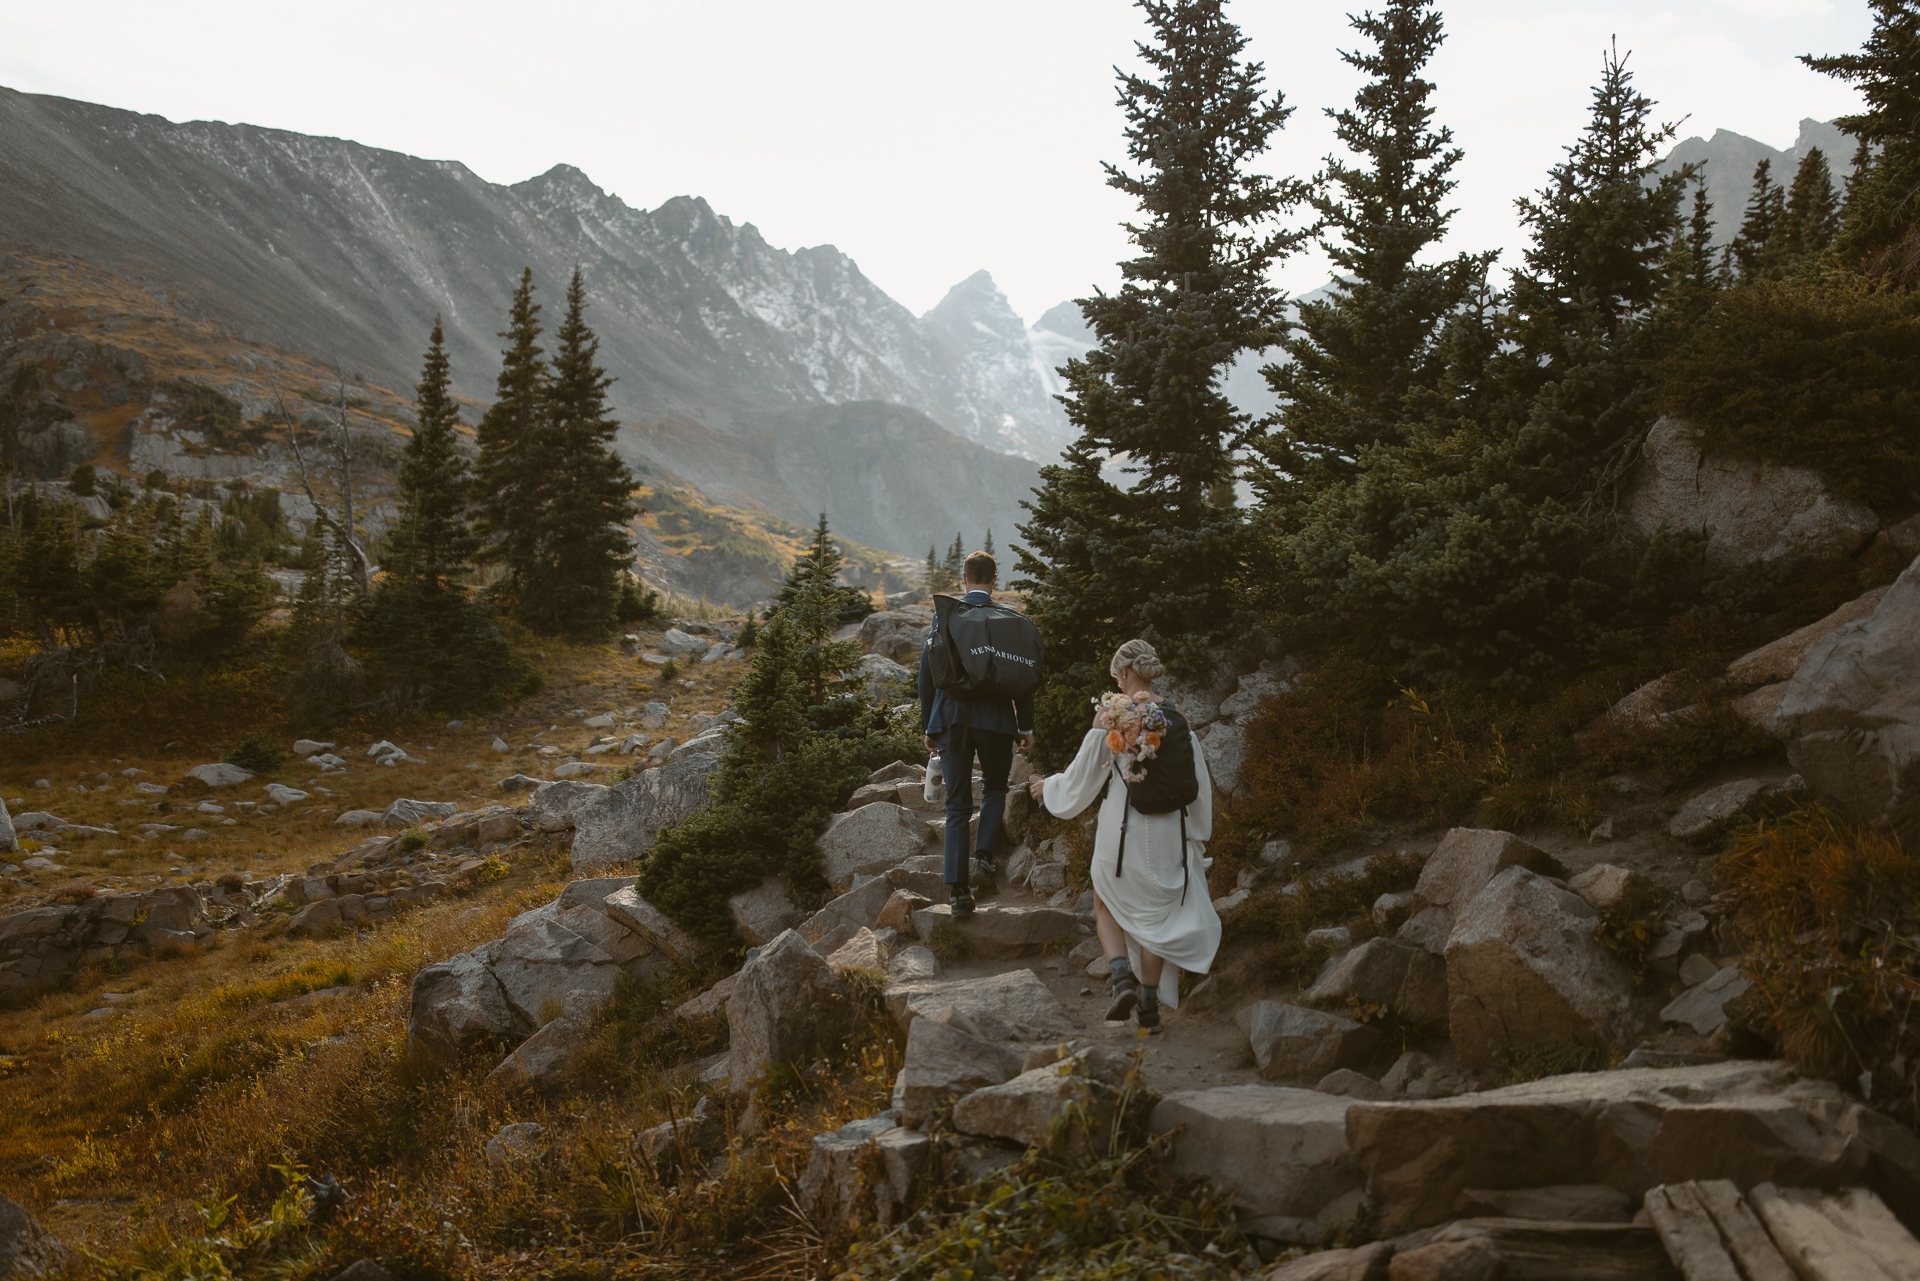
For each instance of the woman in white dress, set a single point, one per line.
(1150, 902)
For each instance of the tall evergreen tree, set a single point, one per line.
(987, 546)
(816, 575)
(936, 572)
(1356, 354)
(514, 451)
(953, 569)
(430, 642)
(1882, 226)
(585, 490)
(1163, 557)
(1812, 209)
(1755, 246)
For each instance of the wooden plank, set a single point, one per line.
(1864, 1219)
(1814, 1244)
(1746, 1240)
(1689, 1233)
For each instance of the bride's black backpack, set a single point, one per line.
(1172, 783)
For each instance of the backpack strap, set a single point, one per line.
(1120, 856)
(1186, 860)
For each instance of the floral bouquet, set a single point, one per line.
(1134, 725)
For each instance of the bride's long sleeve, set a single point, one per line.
(1071, 791)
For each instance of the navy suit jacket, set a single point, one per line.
(940, 710)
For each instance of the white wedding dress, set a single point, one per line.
(1160, 895)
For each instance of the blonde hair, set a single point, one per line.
(1138, 655)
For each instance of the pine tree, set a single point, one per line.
(1164, 556)
(515, 456)
(1355, 356)
(936, 572)
(585, 490)
(1882, 227)
(953, 569)
(429, 641)
(1699, 242)
(1812, 209)
(821, 564)
(1755, 247)
(987, 546)
(432, 545)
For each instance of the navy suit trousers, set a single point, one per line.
(959, 745)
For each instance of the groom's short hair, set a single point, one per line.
(979, 568)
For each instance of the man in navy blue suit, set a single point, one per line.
(961, 730)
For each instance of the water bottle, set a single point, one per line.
(934, 789)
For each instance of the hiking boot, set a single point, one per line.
(1149, 1018)
(961, 899)
(1126, 995)
(986, 877)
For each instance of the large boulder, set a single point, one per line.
(8, 840)
(1293, 1044)
(626, 906)
(866, 1168)
(870, 840)
(1629, 1129)
(26, 1248)
(1015, 1006)
(622, 822)
(556, 805)
(631, 950)
(763, 912)
(896, 634)
(1524, 970)
(1023, 1108)
(1468, 858)
(944, 1062)
(1851, 713)
(787, 1005)
(845, 916)
(457, 1006)
(1749, 511)
(1410, 981)
(1280, 1152)
(1778, 660)
(1225, 745)
(999, 933)
(541, 962)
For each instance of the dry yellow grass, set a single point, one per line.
(213, 1070)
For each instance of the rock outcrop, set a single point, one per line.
(1851, 713)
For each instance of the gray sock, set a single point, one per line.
(1120, 968)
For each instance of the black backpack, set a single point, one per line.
(984, 651)
(1172, 783)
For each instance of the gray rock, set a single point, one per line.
(1024, 1107)
(880, 673)
(517, 1142)
(8, 840)
(621, 823)
(1278, 1151)
(1410, 981)
(1703, 1006)
(26, 1248)
(220, 774)
(1351, 1084)
(920, 875)
(1563, 1202)
(1777, 661)
(1427, 929)
(457, 1006)
(1014, 1006)
(1697, 969)
(764, 911)
(999, 933)
(1300, 1045)
(944, 1062)
(864, 951)
(853, 911)
(632, 951)
(873, 840)
(1275, 676)
(1468, 858)
(1225, 745)
(1628, 1129)
(1524, 970)
(410, 813)
(1750, 511)
(540, 963)
(897, 912)
(1607, 887)
(1851, 714)
(555, 805)
(545, 1055)
(865, 1169)
(629, 909)
(786, 1006)
(1391, 911)
(710, 1002)
(913, 965)
(1419, 1075)
(1333, 938)
(592, 892)
(520, 783)
(1714, 809)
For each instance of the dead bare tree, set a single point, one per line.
(343, 524)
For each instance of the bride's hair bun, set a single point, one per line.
(1138, 655)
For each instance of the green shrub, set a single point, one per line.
(1820, 371)
(81, 482)
(257, 753)
(635, 604)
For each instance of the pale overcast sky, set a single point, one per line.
(926, 140)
